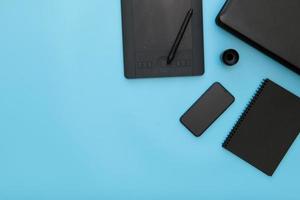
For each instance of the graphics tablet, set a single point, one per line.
(150, 28)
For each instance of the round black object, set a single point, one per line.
(230, 57)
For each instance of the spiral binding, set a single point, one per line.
(246, 111)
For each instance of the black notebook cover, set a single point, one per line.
(272, 26)
(149, 31)
(267, 128)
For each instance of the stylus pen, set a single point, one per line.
(179, 37)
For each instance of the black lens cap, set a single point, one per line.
(230, 57)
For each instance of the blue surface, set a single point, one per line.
(72, 127)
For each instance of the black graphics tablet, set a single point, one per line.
(272, 26)
(150, 28)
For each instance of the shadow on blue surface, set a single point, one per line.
(72, 127)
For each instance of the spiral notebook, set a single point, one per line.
(267, 128)
(150, 28)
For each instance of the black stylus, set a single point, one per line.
(179, 37)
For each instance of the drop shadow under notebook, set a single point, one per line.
(267, 128)
(150, 28)
(271, 26)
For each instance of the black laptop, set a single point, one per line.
(272, 26)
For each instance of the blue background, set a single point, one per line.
(72, 127)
